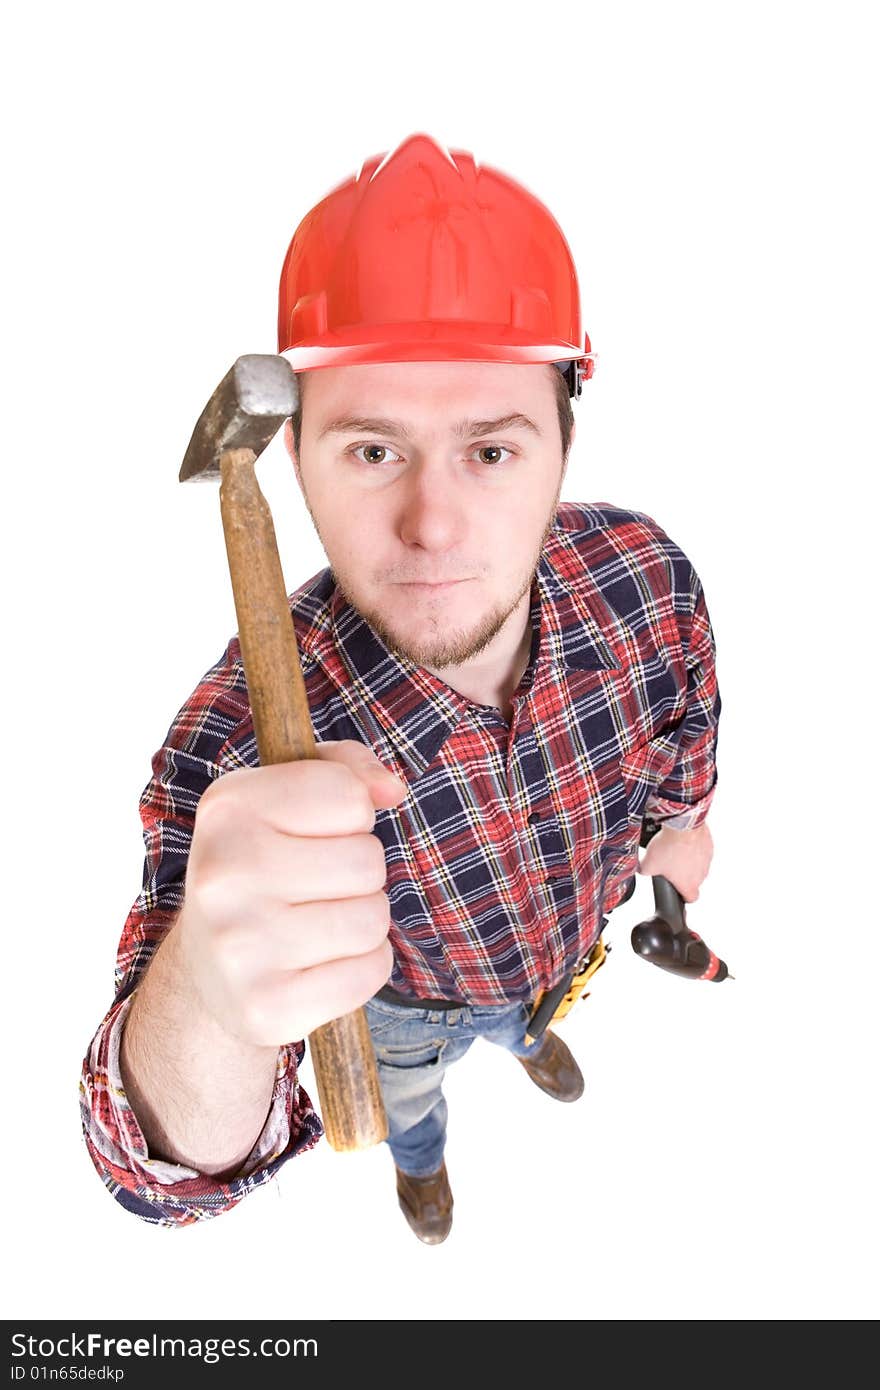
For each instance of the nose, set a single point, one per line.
(432, 512)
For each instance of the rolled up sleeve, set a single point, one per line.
(169, 1194)
(683, 799)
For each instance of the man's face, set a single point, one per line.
(432, 505)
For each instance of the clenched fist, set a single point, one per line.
(682, 856)
(285, 919)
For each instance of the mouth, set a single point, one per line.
(446, 584)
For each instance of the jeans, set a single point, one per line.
(413, 1049)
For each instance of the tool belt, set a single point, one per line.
(553, 1004)
(549, 1007)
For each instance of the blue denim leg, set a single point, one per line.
(507, 1028)
(413, 1049)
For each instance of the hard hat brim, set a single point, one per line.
(447, 341)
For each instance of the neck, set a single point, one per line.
(491, 677)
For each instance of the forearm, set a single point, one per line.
(200, 1095)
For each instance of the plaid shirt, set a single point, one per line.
(513, 841)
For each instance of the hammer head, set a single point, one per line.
(258, 393)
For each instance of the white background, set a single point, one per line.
(713, 168)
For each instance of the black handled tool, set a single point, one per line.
(665, 939)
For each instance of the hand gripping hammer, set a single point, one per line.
(258, 393)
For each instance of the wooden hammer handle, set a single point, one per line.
(342, 1050)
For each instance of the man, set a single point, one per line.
(501, 686)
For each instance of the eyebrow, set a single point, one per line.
(349, 424)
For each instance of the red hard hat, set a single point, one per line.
(427, 256)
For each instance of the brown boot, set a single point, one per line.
(427, 1204)
(554, 1069)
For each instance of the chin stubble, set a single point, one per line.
(444, 649)
(447, 648)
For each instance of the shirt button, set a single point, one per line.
(534, 817)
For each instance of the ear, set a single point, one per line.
(570, 447)
(288, 437)
(288, 444)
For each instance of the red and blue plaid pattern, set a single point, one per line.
(514, 840)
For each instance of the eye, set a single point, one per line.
(493, 449)
(383, 449)
(376, 448)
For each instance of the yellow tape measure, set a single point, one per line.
(588, 968)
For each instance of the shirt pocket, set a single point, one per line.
(646, 766)
(580, 765)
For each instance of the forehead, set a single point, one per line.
(427, 391)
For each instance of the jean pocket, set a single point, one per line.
(410, 1055)
(385, 1019)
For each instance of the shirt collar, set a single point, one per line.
(392, 698)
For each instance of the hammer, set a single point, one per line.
(258, 393)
